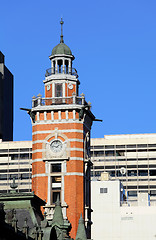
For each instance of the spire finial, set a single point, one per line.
(61, 39)
(81, 232)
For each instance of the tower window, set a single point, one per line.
(56, 194)
(56, 179)
(56, 167)
(66, 64)
(58, 90)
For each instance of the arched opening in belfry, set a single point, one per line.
(53, 67)
(53, 235)
(60, 66)
(67, 66)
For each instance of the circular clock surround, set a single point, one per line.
(70, 85)
(56, 146)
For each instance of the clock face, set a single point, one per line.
(70, 86)
(48, 87)
(56, 146)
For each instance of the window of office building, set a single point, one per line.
(152, 145)
(110, 153)
(103, 190)
(131, 146)
(141, 145)
(152, 172)
(132, 173)
(132, 193)
(120, 146)
(97, 147)
(143, 172)
(153, 192)
(109, 146)
(14, 161)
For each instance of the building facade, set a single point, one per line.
(134, 166)
(15, 162)
(114, 218)
(6, 101)
(61, 124)
(130, 158)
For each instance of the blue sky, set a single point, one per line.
(114, 44)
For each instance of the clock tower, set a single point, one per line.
(61, 124)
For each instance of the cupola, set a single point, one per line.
(61, 49)
(61, 56)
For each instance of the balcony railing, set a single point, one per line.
(61, 70)
(133, 203)
(39, 101)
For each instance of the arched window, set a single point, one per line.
(60, 66)
(66, 66)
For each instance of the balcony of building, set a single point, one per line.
(61, 70)
(78, 100)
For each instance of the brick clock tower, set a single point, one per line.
(61, 124)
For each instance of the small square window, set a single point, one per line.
(56, 168)
(55, 193)
(55, 196)
(103, 190)
(56, 179)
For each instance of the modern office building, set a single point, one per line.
(116, 219)
(130, 158)
(6, 101)
(15, 161)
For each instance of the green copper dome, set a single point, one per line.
(61, 48)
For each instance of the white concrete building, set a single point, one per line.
(15, 161)
(130, 158)
(115, 219)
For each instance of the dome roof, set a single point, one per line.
(61, 48)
